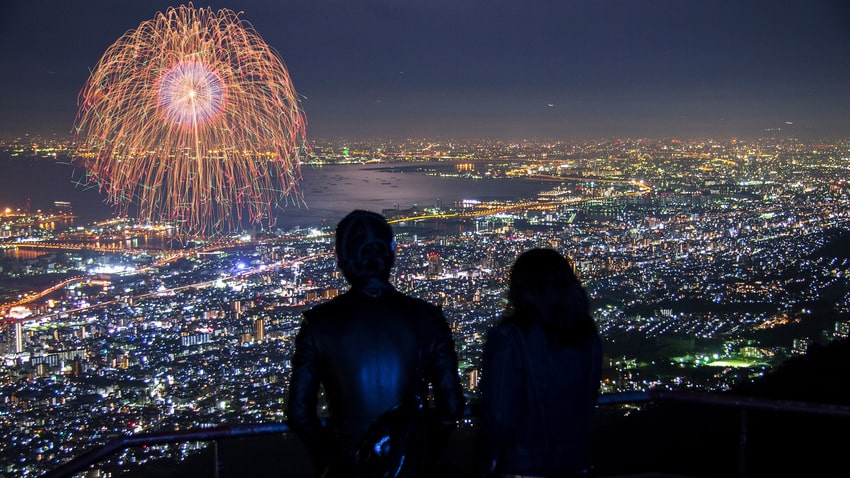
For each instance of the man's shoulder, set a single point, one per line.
(342, 305)
(412, 300)
(329, 307)
(424, 307)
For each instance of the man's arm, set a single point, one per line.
(448, 394)
(303, 395)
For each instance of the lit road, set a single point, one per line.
(158, 293)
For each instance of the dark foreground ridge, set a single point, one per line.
(704, 441)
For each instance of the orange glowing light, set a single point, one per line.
(192, 119)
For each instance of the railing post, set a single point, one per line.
(215, 458)
(742, 445)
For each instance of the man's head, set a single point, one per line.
(365, 248)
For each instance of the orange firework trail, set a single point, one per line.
(192, 118)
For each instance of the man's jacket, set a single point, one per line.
(365, 348)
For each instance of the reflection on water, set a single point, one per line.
(149, 242)
(19, 254)
(53, 224)
(332, 191)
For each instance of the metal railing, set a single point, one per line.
(213, 434)
(742, 403)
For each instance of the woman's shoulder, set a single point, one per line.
(503, 330)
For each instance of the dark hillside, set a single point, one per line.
(703, 440)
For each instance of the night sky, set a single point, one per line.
(553, 69)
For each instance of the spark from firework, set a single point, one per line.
(192, 119)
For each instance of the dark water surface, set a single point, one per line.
(329, 192)
(332, 191)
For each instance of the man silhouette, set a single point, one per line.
(366, 348)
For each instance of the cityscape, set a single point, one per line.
(709, 263)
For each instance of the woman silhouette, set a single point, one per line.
(540, 374)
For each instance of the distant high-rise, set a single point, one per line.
(76, 367)
(473, 380)
(259, 330)
(435, 267)
(19, 337)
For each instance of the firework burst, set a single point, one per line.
(192, 118)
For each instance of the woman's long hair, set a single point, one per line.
(544, 289)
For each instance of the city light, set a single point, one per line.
(687, 269)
